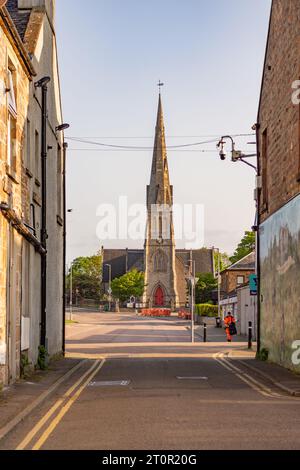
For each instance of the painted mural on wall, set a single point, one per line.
(280, 284)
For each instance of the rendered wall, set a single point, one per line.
(280, 283)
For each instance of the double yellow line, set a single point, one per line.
(65, 402)
(246, 378)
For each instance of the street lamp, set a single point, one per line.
(237, 155)
(192, 280)
(217, 250)
(109, 286)
(71, 291)
(69, 211)
(62, 127)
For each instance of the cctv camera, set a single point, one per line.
(223, 154)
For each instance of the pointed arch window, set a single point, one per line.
(160, 262)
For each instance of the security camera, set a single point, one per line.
(222, 154)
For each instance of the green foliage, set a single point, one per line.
(245, 247)
(131, 284)
(263, 355)
(43, 358)
(207, 310)
(206, 284)
(86, 277)
(224, 261)
(24, 366)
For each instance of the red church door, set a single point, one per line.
(159, 298)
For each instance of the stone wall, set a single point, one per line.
(11, 192)
(279, 203)
(278, 120)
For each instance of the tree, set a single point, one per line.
(86, 277)
(245, 247)
(204, 287)
(131, 284)
(224, 261)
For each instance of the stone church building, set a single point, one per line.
(165, 267)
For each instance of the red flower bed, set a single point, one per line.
(156, 312)
(184, 315)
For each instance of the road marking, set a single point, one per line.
(45, 436)
(53, 409)
(246, 378)
(112, 383)
(142, 356)
(30, 408)
(192, 378)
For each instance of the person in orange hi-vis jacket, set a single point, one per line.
(228, 321)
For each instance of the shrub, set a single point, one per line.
(263, 355)
(207, 310)
(43, 358)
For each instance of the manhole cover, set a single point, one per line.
(113, 383)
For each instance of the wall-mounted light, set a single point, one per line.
(62, 127)
(42, 82)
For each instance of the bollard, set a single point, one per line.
(250, 335)
(204, 333)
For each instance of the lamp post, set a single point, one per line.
(238, 156)
(109, 285)
(192, 280)
(65, 147)
(71, 292)
(217, 250)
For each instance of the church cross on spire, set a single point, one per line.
(160, 84)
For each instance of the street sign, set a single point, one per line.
(253, 283)
(109, 291)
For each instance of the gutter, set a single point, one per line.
(20, 227)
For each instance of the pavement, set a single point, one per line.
(136, 383)
(218, 335)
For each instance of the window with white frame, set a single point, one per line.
(240, 280)
(11, 121)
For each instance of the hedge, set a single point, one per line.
(207, 310)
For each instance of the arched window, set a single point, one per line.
(160, 262)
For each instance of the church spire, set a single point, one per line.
(160, 191)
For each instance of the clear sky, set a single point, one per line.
(209, 54)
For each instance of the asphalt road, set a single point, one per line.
(143, 386)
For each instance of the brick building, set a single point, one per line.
(27, 54)
(278, 132)
(165, 266)
(232, 278)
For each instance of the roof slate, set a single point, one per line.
(19, 17)
(135, 260)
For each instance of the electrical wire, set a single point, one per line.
(141, 150)
(168, 136)
(132, 147)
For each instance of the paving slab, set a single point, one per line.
(283, 378)
(17, 399)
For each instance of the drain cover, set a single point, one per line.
(113, 383)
